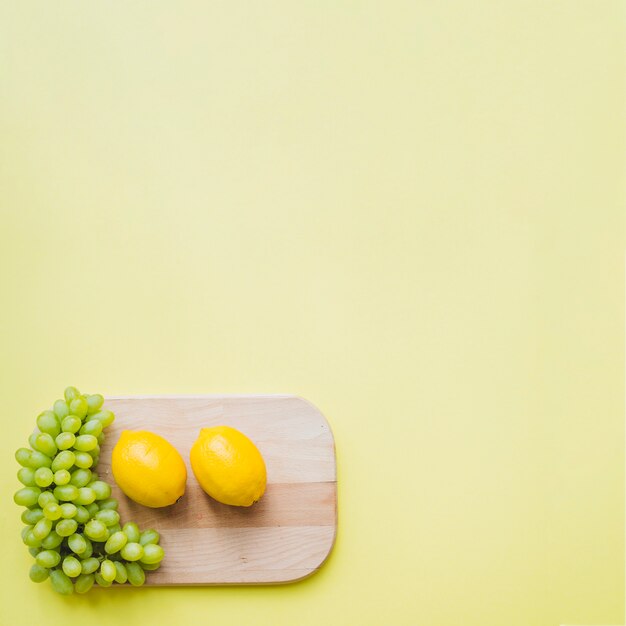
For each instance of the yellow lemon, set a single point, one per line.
(148, 469)
(228, 466)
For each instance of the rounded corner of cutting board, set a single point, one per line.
(314, 570)
(311, 405)
(292, 534)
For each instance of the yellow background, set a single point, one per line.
(410, 213)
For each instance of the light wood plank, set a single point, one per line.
(242, 555)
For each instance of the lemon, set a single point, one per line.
(148, 469)
(228, 466)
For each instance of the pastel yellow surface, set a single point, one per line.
(410, 213)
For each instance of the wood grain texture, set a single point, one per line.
(286, 536)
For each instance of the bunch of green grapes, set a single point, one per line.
(72, 527)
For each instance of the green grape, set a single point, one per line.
(136, 575)
(52, 511)
(27, 534)
(152, 553)
(42, 528)
(32, 516)
(94, 401)
(34, 551)
(65, 441)
(45, 498)
(96, 530)
(92, 509)
(94, 476)
(45, 443)
(101, 489)
(52, 541)
(71, 566)
(83, 460)
(31, 540)
(85, 443)
(93, 428)
(90, 565)
(48, 558)
(132, 551)
(121, 575)
(70, 393)
(63, 460)
(131, 530)
(62, 477)
(149, 567)
(101, 439)
(82, 515)
(68, 510)
(26, 530)
(107, 419)
(77, 544)
(66, 527)
(81, 477)
(101, 581)
(116, 528)
(26, 496)
(37, 573)
(107, 517)
(32, 440)
(48, 422)
(104, 537)
(94, 415)
(108, 570)
(86, 495)
(115, 542)
(38, 459)
(108, 504)
(65, 493)
(88, 550)
(79, 407)
(43, 476)
(149, 536)
(26, 476)
(104, 416)
(84, 583)
(71, 424)
(22, 456)
(61, 409)
(61, 582)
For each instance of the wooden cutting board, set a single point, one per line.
(286, 536)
